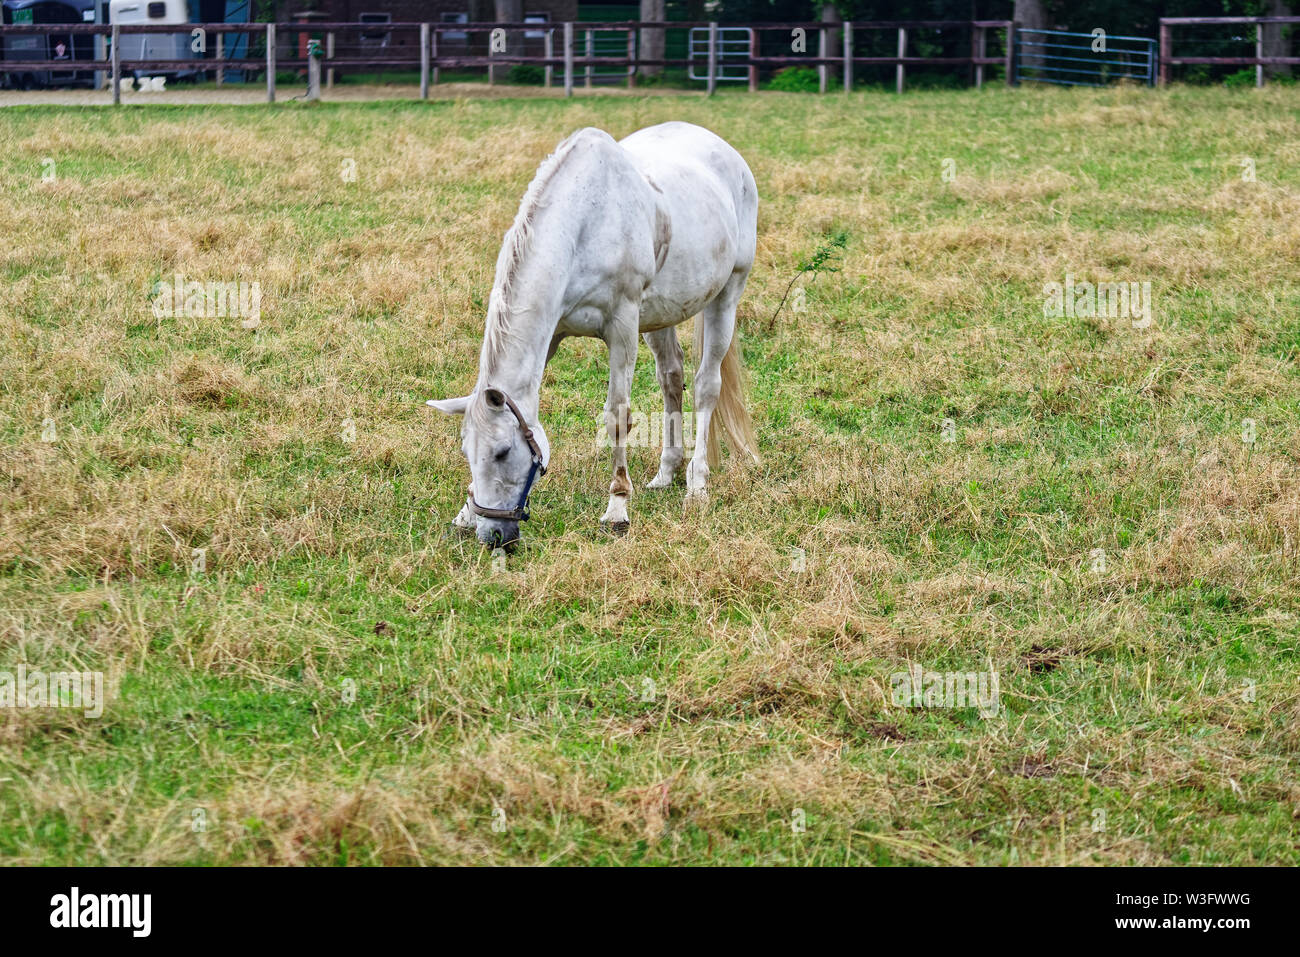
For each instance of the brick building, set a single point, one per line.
(429, 11)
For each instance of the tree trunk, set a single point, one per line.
(1031, 15)
(652, 41)
(1277, 37)
(829, 41)
(509, 11)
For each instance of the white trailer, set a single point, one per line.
(153, 46)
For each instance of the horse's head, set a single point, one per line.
(506, 453)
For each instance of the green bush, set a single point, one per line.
(1240, 79)
(525, 74)
(796, 79)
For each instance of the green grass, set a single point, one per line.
(346, 684)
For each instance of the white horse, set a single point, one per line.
(612, 240)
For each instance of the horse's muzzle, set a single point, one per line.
(496, 533)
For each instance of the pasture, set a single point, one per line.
(244, 524)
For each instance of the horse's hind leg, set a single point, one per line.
(668, 369)
(620, 335)
(714, 326)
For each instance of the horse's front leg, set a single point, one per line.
(621, 337)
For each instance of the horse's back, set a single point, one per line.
(677, 153)
(711, 202)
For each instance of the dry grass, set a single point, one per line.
(690, 693)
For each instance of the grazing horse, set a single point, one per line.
(613, 240)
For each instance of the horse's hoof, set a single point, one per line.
(617, 529)
(696, 498)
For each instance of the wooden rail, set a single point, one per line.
(1258, 61)
(428, 60)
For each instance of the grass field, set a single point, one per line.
(341, 682)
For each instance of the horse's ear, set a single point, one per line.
(450, 406)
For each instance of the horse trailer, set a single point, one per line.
(154, 46)
(73, 47)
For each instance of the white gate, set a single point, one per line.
(733, 43)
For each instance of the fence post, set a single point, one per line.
(329, 55)
(823, 42)
(117, 67)
(713, 57)
(568, 58)
(1011, 53)
(1166, 51)
(424, 61)
(978, 41)
(848, 55)
(900, 70)
(589, 50)
(101, 56)
(270, 63)
(754, 53)
(313, 70)
(548, 51)
(433, 54)
(1259, 52)
(631, 55)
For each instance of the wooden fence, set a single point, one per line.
(1258, 61)
(429, 59)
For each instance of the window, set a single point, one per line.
(536, 18)
(460, 35)
(369, 37)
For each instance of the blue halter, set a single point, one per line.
(520, 512)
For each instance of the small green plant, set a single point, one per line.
(820, 261)
(796, 79)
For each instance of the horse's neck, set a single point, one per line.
(532, 281)
(514, 354)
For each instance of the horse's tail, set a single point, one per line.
(730, 415)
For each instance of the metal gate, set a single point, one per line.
(733, 42)
(1083, 59)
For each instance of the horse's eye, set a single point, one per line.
(501, 453)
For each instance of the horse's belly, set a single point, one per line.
(662, 309)
(693, 273)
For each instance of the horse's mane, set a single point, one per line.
(513, 251)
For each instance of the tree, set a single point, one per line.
(1277, 37)
(652, 41)
(1030, 14)
(509, 11)
(826, 45)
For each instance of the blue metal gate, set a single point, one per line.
(1083, 59)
